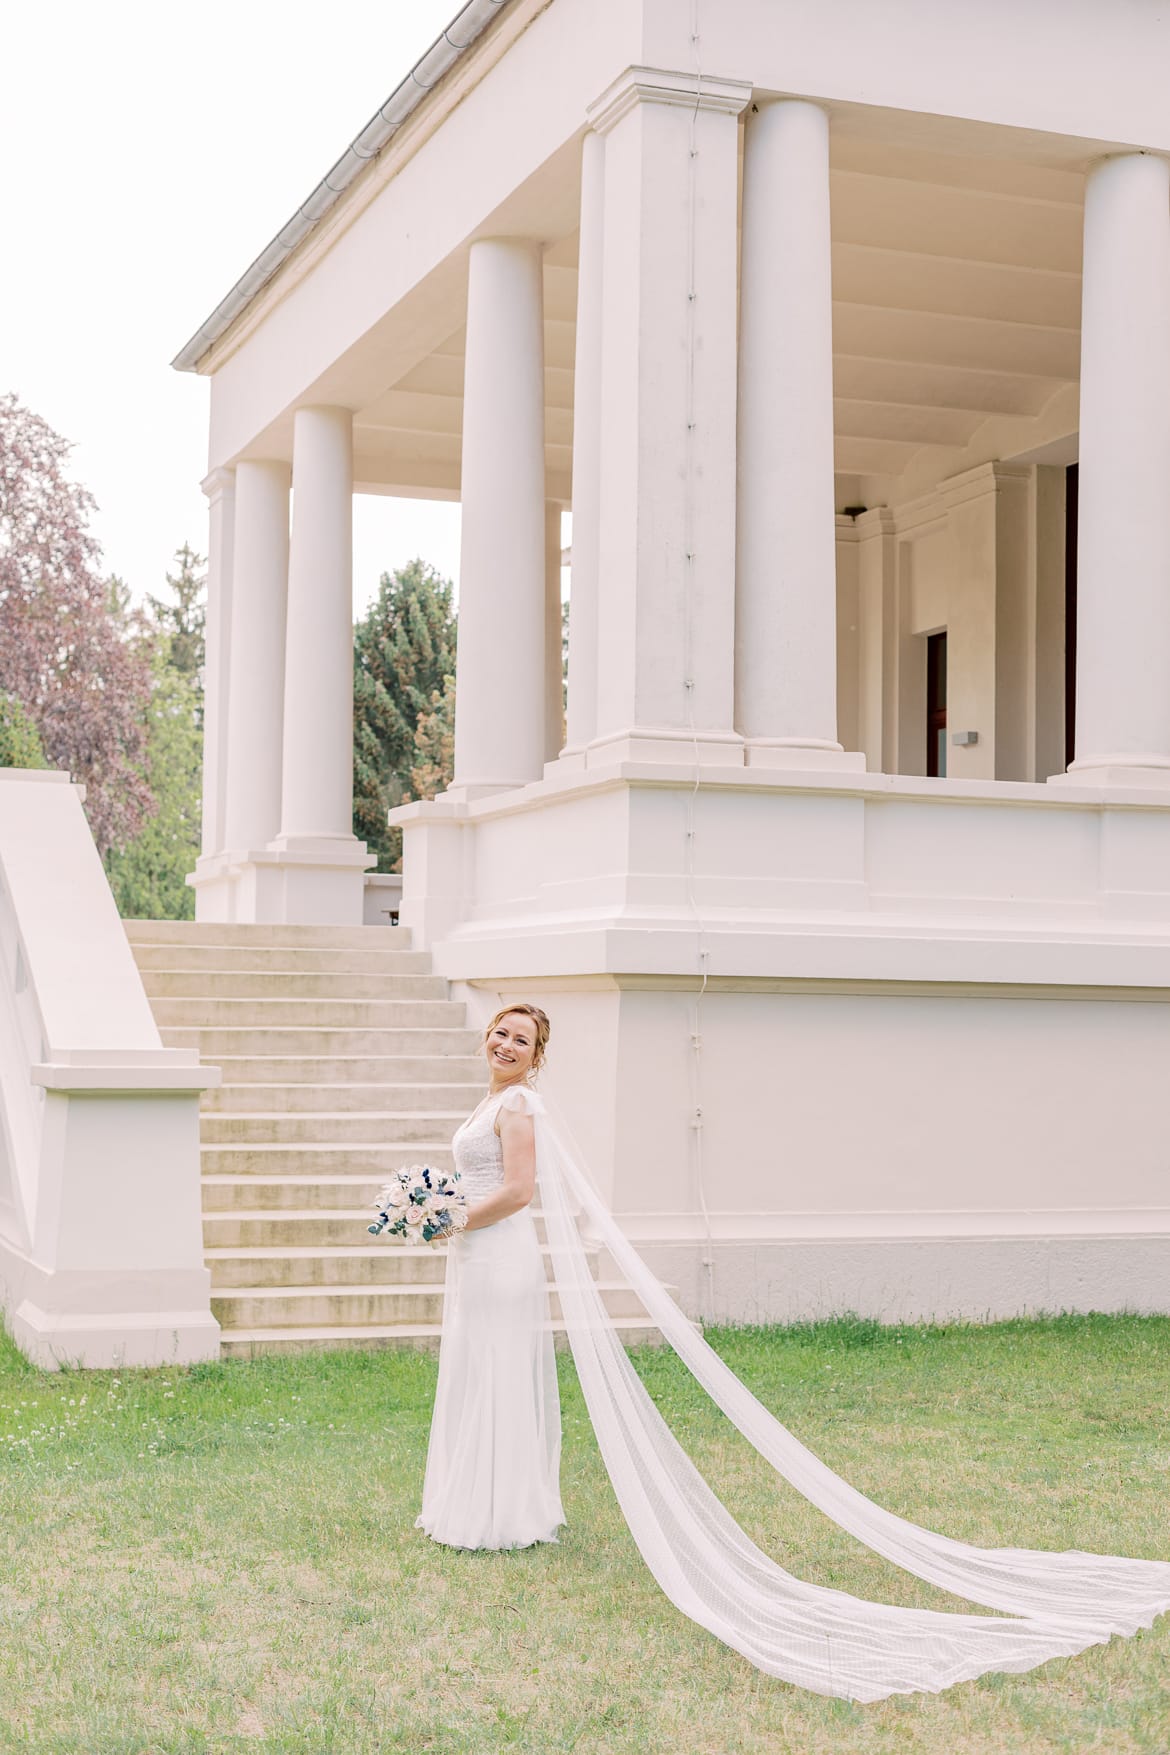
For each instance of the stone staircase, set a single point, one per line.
(343, 1058)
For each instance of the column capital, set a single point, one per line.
(876, 521)
(329, 408)
(769, 101)
(217, 483)
(983, 479)
(653, 85)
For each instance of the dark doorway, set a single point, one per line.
(1071, 486)
(936, 705)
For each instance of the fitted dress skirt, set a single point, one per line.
(493, 1461)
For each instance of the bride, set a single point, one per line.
(493, 1463)
(494, 1454)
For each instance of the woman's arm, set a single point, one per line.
(518, 1139)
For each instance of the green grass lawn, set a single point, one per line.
(224, 1558)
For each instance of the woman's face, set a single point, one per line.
(511, 1047)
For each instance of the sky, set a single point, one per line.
(151, 151)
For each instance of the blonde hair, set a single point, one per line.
(540, 1024)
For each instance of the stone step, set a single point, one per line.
(255, 1343)
(319, 1014)
(288, 984)
(305, 1040)
(462, 1070)
(251, 959)
(303, 1212)
(294, 1228)
(376, 1265)
(327, 938)
(247, 1171)
(342, 1099)
(269, 1307)
(372, 1127)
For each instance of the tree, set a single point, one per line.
(185, 620)
(20, 747)
(434, 744)
(148, 875)
(72, 662)
(404, 668)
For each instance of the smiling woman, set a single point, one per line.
(493, 1463)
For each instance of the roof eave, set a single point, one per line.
(468, 24)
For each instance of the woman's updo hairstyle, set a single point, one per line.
(540, 1025)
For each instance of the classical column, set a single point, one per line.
(667, 434)
(877, 637)
(500, 679)
(317, 795)
(583, 577)
(1123, 533)
(256, 674)
(554, 662)
(786, 619)
(989, 621)
(220, 488)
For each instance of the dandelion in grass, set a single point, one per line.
(420, 1205)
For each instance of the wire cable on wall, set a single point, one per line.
(702, 951)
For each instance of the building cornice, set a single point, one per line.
(468, 25)
(653, 85)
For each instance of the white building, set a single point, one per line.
(807, 309)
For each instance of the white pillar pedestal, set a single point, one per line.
(665, 652)
(1123, 538)
(786, 595)
(500, 724)
(224, 879)
(317, 869)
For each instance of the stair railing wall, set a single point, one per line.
(101, 1252)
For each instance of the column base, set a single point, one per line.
(811, 757)
(572, 760)
(295, 881)
(467, 792)
(1144, 772)
(665, 743)
(114, 1340)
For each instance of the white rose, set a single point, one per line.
(415, 1215)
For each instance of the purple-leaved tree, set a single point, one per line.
(70, 654)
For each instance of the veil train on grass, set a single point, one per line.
(1052, 1604)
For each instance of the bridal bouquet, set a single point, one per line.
(420, 1205)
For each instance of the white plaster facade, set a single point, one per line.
(101, 1246)
(805, 310)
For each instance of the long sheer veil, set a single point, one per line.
(817, 1638)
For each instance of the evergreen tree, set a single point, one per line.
(434, 744)
(185, 620)
(148, 874)
(404, 668)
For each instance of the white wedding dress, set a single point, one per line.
(495, 1404)
(493, 1461)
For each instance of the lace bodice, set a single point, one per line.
(479, 1156)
